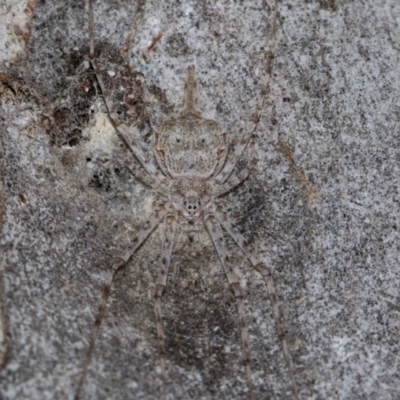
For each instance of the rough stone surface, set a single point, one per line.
(69, 206)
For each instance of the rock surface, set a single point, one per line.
(320, 206)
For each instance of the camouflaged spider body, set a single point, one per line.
(193, 169)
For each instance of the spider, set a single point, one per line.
(193, 168)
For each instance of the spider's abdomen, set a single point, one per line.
(190, 146)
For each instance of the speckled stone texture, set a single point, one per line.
(320, 206)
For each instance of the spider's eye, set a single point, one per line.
(203, 140)
(194, 207)
(178, 140)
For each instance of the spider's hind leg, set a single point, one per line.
(235, 180)
(240, 147)
(121, 128)
(139, 174)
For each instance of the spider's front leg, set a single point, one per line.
(156, 217)
(215, 231)
(223, 217)
(166, 253)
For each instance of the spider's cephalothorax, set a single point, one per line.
(193, 169)
(190, 197)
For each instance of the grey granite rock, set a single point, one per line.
(320, 207)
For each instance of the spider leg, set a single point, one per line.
(235, 180)
(166, 253)
(160, 156)
(146, 179)
(153, 221)
(215, 231)
(223, 217)
(119, 126)
(243, 142)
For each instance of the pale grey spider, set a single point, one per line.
(194, 168)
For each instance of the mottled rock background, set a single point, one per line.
(320, 207)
